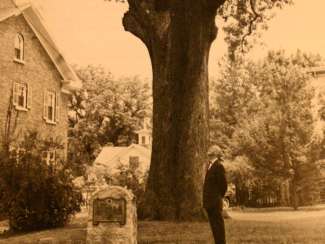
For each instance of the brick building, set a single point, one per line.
(35, 79)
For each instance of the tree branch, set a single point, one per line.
(147, 19)
(256, 17)
(212, 6)
(132, 25)
(136, 20)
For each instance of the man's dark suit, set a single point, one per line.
(214, 189)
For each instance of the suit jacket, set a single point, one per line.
(215, 186)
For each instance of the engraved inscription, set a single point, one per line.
(109, 210)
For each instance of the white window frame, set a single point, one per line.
(19, 47)
(49, 157)
(51, 100)
(21, 90)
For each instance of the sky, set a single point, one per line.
(91, 32)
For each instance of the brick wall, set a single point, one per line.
(40, 74)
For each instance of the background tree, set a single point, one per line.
(244, 20)
(105, 112)
(279, 139)
(233, 98)
(178, 36)
(241, 173)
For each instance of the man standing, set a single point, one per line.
(214, 189)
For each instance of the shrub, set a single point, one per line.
(34, 193)
(133, 179)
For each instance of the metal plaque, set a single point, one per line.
(109, 210)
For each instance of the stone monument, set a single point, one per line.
(112, 217)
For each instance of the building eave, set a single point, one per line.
(11, 12)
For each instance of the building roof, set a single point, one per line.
(33, 18)
(111, 158)
(110, 155)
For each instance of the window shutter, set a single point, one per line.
(29, 96)
(44, 156)
(57, 107)
(14, 94)
(44, 105)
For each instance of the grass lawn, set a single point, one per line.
(309, 232)
(254, 227)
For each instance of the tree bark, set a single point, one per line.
(178, 37)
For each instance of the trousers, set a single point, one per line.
(217, 224)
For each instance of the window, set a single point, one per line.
(51, 107)
(134, 162)
(19, 48)
(143, 140)
(49, 157)
(22, 96)
(17, 153)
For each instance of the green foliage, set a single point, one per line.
(265, 113)
(280, 138)
(133, 179)
(104, 112)
(244, 21)
(241, 173)
(233, 99)
(34, 194)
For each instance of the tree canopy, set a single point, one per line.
(243, 19)
(178, 35)
(105, 111)
(264, 111)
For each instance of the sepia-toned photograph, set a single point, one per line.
(162, 122)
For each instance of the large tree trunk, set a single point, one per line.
(178, 38)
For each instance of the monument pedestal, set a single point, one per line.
(112, 217)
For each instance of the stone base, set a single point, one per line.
(113, 233)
